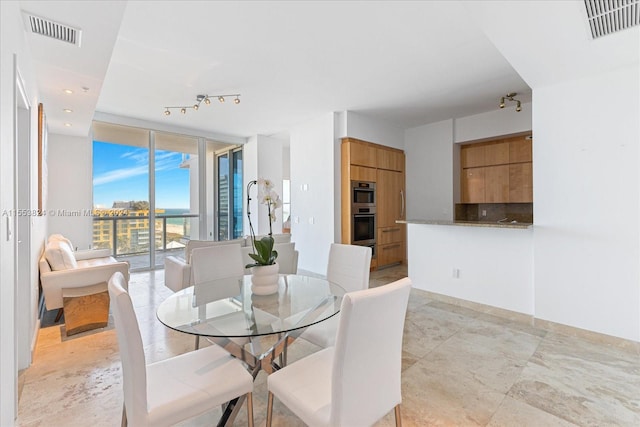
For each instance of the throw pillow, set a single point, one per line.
(60, 256)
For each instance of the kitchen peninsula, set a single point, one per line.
(487, 263)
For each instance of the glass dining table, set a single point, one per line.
(256, 329)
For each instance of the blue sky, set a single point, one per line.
(121, 173)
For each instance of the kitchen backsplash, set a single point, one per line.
(520, 212)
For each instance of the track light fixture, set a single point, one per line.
(510, 97)
(199, 100)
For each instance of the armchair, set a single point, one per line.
(67, 276)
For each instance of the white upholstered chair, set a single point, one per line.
(348, 267)
(358, 381)
(176, 389)
(217, 263)
(177, 271)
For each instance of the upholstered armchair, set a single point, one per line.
(63, 268)
(75, 283)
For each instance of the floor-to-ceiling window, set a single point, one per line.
(229, 194)
(121, 191)
(176, 193)
(152, 193)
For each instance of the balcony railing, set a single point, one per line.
(129, 235)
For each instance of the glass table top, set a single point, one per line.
(227, 308)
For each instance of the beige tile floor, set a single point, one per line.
(460, 368)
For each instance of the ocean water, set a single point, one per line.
(174, 211)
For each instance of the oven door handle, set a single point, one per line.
(364, 215)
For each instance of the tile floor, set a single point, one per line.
(460, 368)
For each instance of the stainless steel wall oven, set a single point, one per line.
(363, 194)
(363, 214)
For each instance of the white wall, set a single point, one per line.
(270, 157)
(313, 196)
(586, 190)
(13, 43)
(429, 171)
(359, 126)
(495, 264)
(502, 121)
(586, 198)
(69, 160)
(263, 158)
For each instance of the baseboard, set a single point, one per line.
(546, 325)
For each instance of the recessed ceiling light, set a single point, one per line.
(69, 91)
(67, 110)
(85, 89)
(68, 125)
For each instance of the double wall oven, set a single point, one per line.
(363, 214)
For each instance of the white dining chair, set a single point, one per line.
(175, 389)
(216, 263)
(348, 267)
(358, 381)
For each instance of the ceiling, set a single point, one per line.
(407, 63)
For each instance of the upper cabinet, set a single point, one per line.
(390, 159)
(498, 171)
(367, 154)
(362, 153)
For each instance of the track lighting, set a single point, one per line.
(199, 100)
(510, 97)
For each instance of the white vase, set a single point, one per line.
(264, 279)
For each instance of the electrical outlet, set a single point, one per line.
(456, 273)
(484, 212)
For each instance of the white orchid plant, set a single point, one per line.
(263, 253)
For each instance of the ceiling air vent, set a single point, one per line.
(55, 30)
(610, 16)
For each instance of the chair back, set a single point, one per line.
(194, 244)
(217, 263)
(367, 361)
(349, 266)
(134, 373)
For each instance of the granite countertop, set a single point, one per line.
(491, 224)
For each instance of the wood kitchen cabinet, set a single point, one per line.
(361, 173)
(520, 150)
(390, 192)
(362, 153)
(497, 171)
(390, 207)
(496, 154)
(390, 159)
(472, 156)
(473, 185)
(496, 184)
(521, 183)
(365, 161)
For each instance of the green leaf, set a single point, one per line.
(264, 253)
